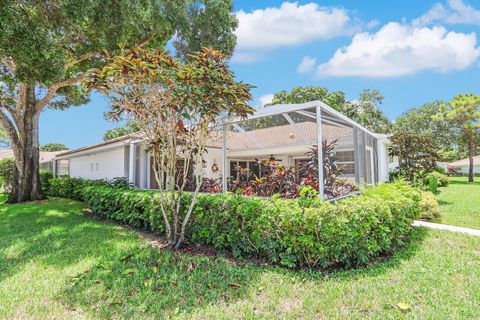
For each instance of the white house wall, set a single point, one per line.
(103, 165)
(465, 169)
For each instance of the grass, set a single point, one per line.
(460, 203)
(57, 263)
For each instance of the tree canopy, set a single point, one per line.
(423, 121)
(46, 48)
(50, 147)
(463, 113)
(365, 110)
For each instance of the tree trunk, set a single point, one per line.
(470, 158)
(26, 184)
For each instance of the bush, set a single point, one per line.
(292, 233)
(442, 179)
(6, 172)
(429, 206)
(45, 177)
(432, 183)
(73, 188)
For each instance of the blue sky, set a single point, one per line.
(412, 51)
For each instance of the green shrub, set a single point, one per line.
(292, 233)
(45, 177)
(429, 209)
(73, 188)
(442, 179)
(432, 182)
(6, 172)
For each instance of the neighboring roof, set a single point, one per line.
(45, 156)
(466, 162)
(131, 136)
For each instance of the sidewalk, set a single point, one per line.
(431, 225)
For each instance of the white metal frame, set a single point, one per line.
(323, 113)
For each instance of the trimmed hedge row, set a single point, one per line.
(293, 233)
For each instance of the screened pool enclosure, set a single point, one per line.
(281, 148)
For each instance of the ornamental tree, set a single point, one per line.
(46, 48)
(179, 106)
(463, 112)
(417, 154)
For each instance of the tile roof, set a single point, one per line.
(466, 162)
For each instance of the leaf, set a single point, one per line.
(403, 306)
(108, 270)
(155, 269)
(126, 257)
(234, 285)
(129, 271)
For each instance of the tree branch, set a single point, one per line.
(81, 58)
(53, 90)
(10, 127)
(10, 64)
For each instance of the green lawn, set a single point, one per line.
(57, 263)
(460, 203)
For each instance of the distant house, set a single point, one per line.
(285, 133)
(463, 165)
(46, 158)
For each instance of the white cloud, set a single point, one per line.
(288, 25)
(400, 49)
(456, 12)
(307, 65)
(266, 98)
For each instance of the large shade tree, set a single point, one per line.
(178, 105)
(463, 112)
(46, 47)
(365, 110)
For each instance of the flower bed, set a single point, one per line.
(304, 232)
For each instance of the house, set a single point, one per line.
(46, 158)
(463, 165)
(285, 133)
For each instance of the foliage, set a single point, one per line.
(45, 177)
(130, 127)
(442, 179)
(417, 155)
(463, 113)
(7, 172)
(423, 122)
(177, 105)
(206, 23)
(365, 111)
(73, 188)
(334, 184)
(47, 48)
(289, 232)
(50, 147)
(432, 179)
(275, 178)
(429, 209)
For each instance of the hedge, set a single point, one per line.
(292, 233)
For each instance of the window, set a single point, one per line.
(244, 170)
(346, 161)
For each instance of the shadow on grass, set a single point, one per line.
(130, 279)
(464, 181)
(443, 202)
